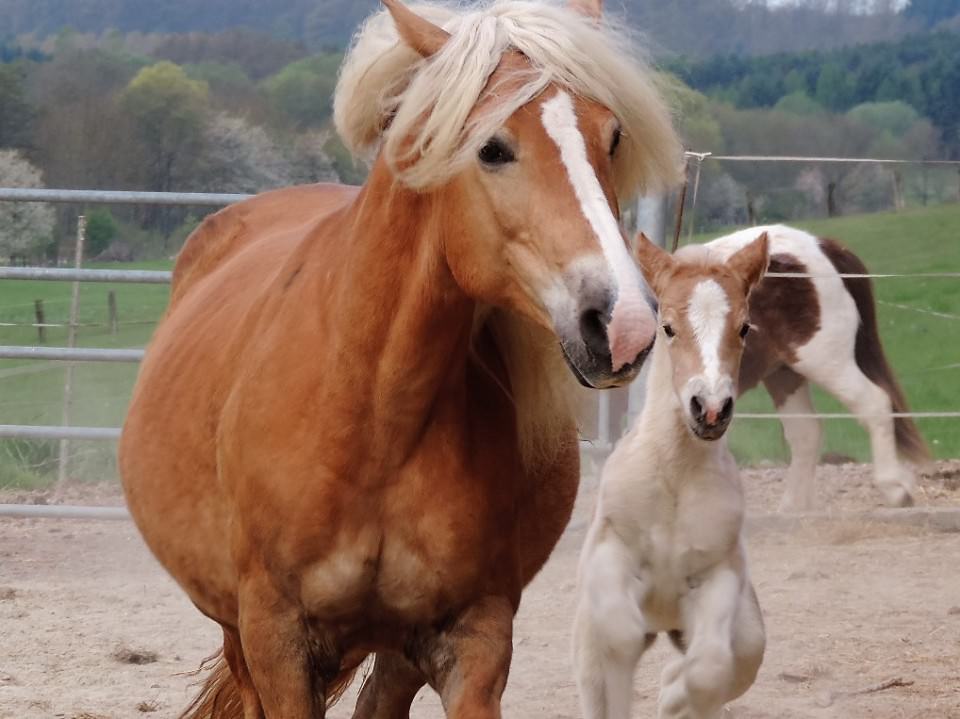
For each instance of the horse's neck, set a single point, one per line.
(661, 427)
(402, 324)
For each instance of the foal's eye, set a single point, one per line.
(668, 331)
(615, 142)
(744, 330)
(495, 153)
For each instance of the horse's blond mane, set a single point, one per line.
(547, 400)
(419, 112)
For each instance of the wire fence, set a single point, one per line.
(132, 355)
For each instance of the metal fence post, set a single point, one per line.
(64, 457)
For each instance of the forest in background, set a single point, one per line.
(198, 105)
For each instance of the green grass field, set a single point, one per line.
(924, 349)
(32, 392)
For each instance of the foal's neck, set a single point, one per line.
(662, 426)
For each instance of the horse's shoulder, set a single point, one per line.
(225, 233)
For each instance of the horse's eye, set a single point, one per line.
(744, 330)
(615, 142)
(495, 153)
(668, 331)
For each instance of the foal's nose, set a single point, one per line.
(711, 415)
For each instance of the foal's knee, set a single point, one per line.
(709, 675)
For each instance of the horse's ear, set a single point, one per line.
(750, 262)
(655, 263)
(419, 33)
(592, 9)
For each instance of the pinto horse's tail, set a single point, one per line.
(220, 696)
(868, 350)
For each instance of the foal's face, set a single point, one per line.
(545, 238)
(704, 321)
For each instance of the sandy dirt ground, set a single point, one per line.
(92, 628)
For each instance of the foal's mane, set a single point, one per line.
(420, 112)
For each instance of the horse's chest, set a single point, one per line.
(426, 546)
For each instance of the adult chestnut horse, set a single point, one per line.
(351, 433)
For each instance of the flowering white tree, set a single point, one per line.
(242, 157)
(25, 227)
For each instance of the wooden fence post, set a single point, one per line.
(64, 463)
(112, 308)
(41, 321)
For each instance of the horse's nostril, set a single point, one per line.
(594, 333)
(696, 408)
(727, 409)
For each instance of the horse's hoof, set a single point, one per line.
(898, 497)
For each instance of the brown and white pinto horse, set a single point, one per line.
(823, 329)
(351, 433)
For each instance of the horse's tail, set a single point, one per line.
(219, 698)
(869, 353)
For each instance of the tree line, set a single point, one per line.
(232, 112)
(696, 28)
(922, 71)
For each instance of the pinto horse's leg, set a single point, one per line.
(467, 663)
(873, 407)
(804, 435)
(390, 689)
(291, 666)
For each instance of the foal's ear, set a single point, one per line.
(419, 33)
(592, 9)
(655, 263)
(750, 262)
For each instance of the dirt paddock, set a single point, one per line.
(92, 628)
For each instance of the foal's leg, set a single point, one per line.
(609, 633)
(291, 666)
(872, 405)
(804, 435)
(703, 680)
(390, 689)
(468, 661)
(749, 642)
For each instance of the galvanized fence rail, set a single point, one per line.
(67, 354)
(84, 354)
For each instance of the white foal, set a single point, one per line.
(664, 552)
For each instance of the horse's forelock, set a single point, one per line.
(429, 102)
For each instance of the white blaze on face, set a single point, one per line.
(707, 314)
(632, 324)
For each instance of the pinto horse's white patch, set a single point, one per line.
(707, 313)
(632, 325)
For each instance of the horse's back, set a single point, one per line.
(225, 233)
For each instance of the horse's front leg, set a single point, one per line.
(467, 662)
(709, 675)
(292, 665)
(390, 689)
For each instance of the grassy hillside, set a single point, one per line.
(923, 348)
